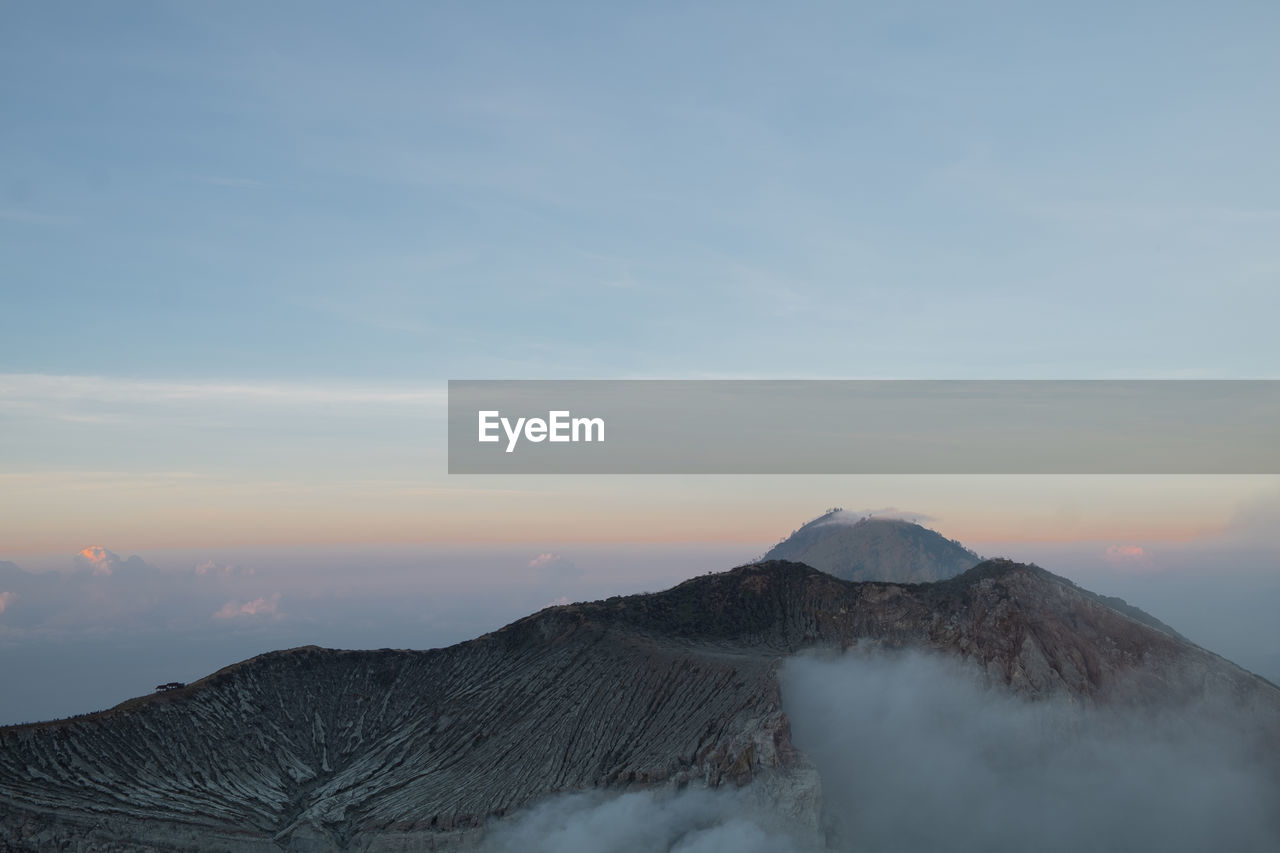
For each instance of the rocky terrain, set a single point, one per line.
(895, 550)
(874, 549)
(314, 749)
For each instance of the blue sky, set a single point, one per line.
(412, 192)
(242, 246)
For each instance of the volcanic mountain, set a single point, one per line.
(316, 749)
(874, 549)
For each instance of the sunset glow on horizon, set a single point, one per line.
(747, 510)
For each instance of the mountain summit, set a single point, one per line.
(874, 549)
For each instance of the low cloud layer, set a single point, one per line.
(917, 754)
(105, 592)
(697, 821)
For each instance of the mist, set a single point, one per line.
(918, 753)
(690, 821)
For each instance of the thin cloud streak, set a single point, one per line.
(28, 387)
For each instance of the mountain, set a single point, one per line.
(315, 749)
(874, 549)
(868, 548)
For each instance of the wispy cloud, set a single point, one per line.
(34, 387)
(95, 481)
(99, 401)
(853, 516)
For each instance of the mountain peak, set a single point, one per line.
(874, 548)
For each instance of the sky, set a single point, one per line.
(243, 248)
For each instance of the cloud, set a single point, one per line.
(99, 561)
(554, 566)
(693, 821)
(25, 390)
(212, 568)
(6, 598)
(261, 606)
(850, 516)
(916, 752)
(1129, 558)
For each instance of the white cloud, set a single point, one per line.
(261, 606)
(104, 563)
(917, 752)
(212, 568)
(554, 565)
(1129, 557)
(695, 820)
(6, 598)
(852, 516)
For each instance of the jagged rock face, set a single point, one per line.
(382, 750)
(875, 549)
(342, 745)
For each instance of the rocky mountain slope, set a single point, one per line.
(874, 549)
(313, 749)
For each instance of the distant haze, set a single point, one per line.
(88, 629)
